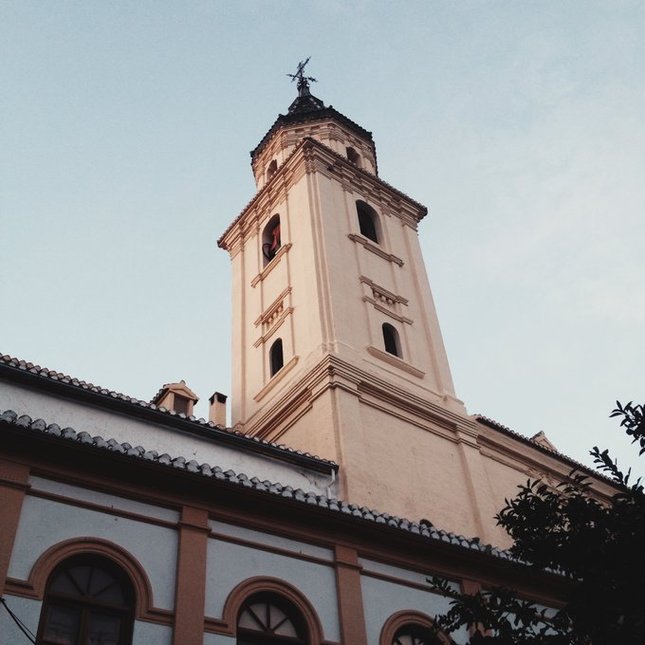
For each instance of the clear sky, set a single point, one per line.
(125, 129)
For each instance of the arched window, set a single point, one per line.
(276, 357)
(271, 241)
(272, 169)
(88, 600)
(269, 619)
(391, 340)
(415, 635)
(353, 156)
(411, 628)
(367, 221)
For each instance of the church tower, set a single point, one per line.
(337, 349)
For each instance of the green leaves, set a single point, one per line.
(633, 422)
(498, 617)
(598, 546)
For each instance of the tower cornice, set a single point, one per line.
(334, 371)
(331, 164)
(327, 113)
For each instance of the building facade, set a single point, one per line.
(351, 471)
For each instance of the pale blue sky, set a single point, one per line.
(124, 136)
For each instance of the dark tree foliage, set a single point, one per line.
(599, 547)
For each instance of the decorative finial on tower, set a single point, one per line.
(305, 101)
(303, 81)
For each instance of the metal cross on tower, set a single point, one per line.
(303, 81)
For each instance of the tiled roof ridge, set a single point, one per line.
(423, 528)
(11, 361)
(496, 425)
(159, 391)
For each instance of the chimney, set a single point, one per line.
(176, 396)
(217, 410)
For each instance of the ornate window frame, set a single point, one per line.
(80, 599)
(252, 586)
(56, 554)
(406, 617)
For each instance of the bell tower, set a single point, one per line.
(337, 349)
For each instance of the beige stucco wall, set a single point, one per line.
(404, 442)
(423, 471)
(327, 281)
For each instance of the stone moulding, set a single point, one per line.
(269, 267)
(34, 587)
(276, 379)
(396, 362)
(369, 246)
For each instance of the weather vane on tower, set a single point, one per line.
(303, 81)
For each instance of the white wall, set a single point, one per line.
(218, 639)
(229, 564)
(260, 538)
(105, 499)
(151, 634)
(27, 610)
(382, 598)
(44, 523)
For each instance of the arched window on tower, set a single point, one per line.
(391, 340)
(269, 619)
(276, 357)
(353, 156)
(272, 169)
(88, 600)
(367, 221)
(271, 241)
(415, 635)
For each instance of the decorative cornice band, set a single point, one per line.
(395, 361)
(369, 246)
(269, 267)
(276, 378)
(387, 312)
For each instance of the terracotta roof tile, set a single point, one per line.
(52, 375)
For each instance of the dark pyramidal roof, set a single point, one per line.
(305, 101)
(305, 108)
